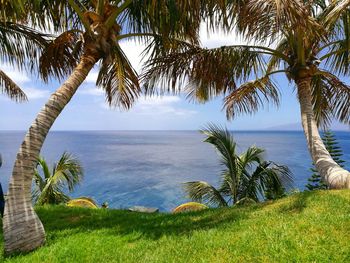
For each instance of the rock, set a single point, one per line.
(143, 209)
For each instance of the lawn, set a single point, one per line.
(305, 227)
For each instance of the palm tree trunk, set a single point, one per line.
(23, 230)
(333, 175)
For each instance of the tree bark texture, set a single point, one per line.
(23, 230)
(333, 175)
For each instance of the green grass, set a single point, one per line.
(305, 227)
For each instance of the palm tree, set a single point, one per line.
(92, 32)
(245, 176)
(49, 187)
(312, 48)
(20, 45)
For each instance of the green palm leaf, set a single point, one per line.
(244, 176)
(203, 192)
(49, 187)
(119, 80)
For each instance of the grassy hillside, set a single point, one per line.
(306, 227)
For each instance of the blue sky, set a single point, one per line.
(88, 110)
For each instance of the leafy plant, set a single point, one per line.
(50, 186)
(245, 176)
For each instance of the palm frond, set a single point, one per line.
(330, 99)
(60, 56)
(119, 80)
(51, 195)
(223, 142)
(321, 106)
(167, 18)
(275, 62)
(39, 185)
(251, 96)
(252, 185)
(252, 155)
(265, 20)
(55, 16)
(267, 178)
(44, 167)
(49, 188)
(337, 58)
(229, 183)
(203, 192)
(21, 45)
(159, 46)
(277, 179)
(68, 171)
(333, 13)
(208, 72)
(10, 88)
(10, 9)
(283, 173)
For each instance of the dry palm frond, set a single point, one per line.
(10, 88)
(60, 56)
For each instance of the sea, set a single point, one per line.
(148, 168)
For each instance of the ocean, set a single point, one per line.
(148, 168)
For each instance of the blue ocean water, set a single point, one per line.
(127, 168)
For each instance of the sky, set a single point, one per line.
(89, 111)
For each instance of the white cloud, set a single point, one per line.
(34, 93)
(16, 75)
(155, 106)
(164, 105)
(91, 91)
(158, 100)
(25, 82)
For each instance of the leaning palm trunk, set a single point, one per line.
(334, 175)
(23, 230)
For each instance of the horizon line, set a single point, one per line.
(171, 130)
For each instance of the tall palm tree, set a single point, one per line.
(312, 50)
(49, 187)
(92, 32)
(244, 176)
